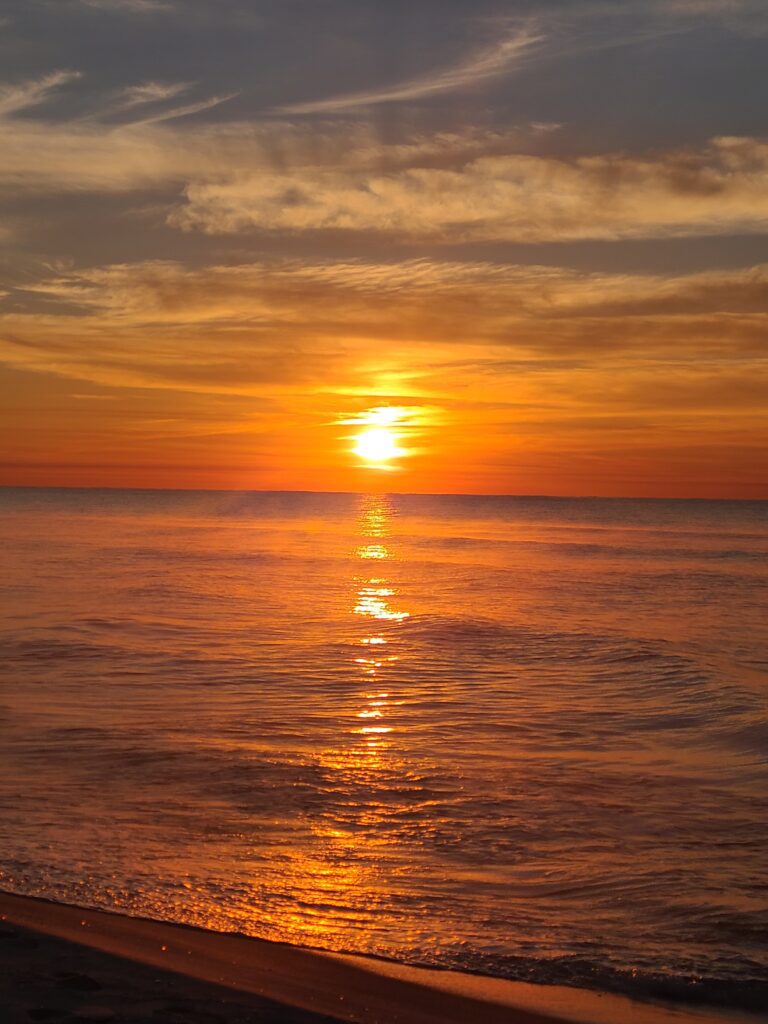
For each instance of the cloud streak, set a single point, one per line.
(537, 311)
(487, 64)
(186, 110)
(511, 51)
(14, 98)
(151, 92)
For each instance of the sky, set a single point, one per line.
(529, 238)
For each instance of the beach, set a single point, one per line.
(65, 964)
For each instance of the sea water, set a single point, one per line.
(521, 736)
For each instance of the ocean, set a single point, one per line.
(520, 736)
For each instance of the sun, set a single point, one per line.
(377, 446)
(378, 443)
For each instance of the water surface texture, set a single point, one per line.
(524, 736)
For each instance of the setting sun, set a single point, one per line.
(377, 446)
(383, 427)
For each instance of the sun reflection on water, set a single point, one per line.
(343, 864)
(373, 601)
(372, 551)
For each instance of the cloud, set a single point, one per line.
(151, 92)
(14, 98)
(555, 33)
(92, 154)
(716, 189)
(158, 92)
(154, 292)
(228, 329)
(486, 64)
(464, 186)
(187, 109)
(127, 99)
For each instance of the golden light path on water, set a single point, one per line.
(342, 867)
(373, 603)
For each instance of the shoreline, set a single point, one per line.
(324, 985)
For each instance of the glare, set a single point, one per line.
(380, 416)
(377, 445)
(386, 415)
(378, 442)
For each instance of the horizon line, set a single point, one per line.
(405, 494)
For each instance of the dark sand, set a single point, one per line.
(66, 965)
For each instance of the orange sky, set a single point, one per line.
(559, 277)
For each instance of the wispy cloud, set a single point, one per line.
(554, 34)
(94, 153)
(14, 98)
(151, 92)
(484, 65)
(186, 110)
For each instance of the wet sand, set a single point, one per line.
(66, 964)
